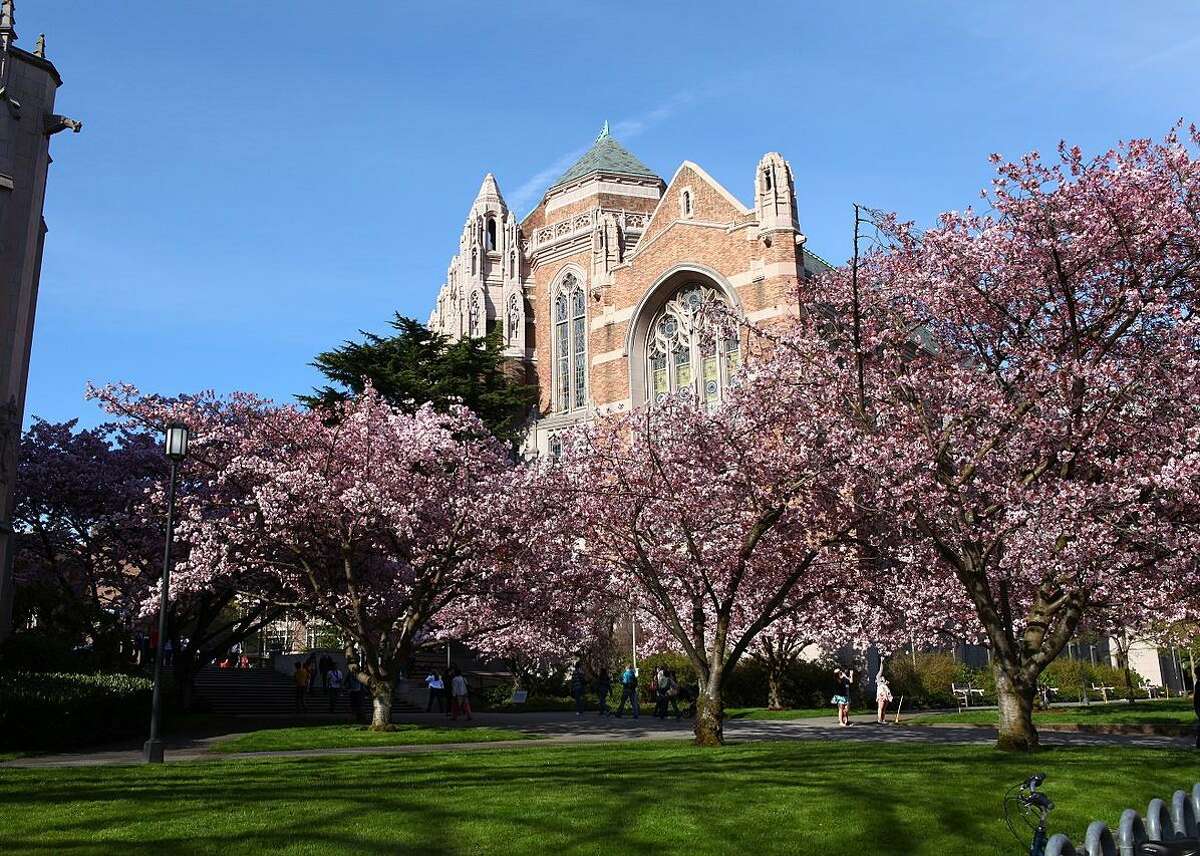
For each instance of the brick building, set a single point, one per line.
(594, 290)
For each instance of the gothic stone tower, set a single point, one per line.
(483, 284)
(28, 83)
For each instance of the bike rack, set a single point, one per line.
(1131, 832)
(1183, 814)
(1177, 822)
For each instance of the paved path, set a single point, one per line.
(567, 729)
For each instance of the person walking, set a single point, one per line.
(460, 703)
(661, 684)
(310, 668)
(629, 683)
(354, 689)
(845, 679)
(883, 694)
(578, 686)
(437, 692)
(603, 688)
(672, 695)
(333, 685)
(300, 679)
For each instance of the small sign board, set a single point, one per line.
(519, 696)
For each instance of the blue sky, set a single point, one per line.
(258, 180)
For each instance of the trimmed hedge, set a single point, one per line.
(59, 710)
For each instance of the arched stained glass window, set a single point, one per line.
(570, 345)
(684, 353)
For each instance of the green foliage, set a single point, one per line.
(1073, 677)
(685, 673)
(57, 710)
(415, 365)
(45, 649)
(928, 682)
(806, 684)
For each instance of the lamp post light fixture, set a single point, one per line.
(175, 446)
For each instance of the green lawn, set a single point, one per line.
(833, 798)
(346, 736)
(766, 713)
(1165, 712)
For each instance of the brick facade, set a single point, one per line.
(631, 241)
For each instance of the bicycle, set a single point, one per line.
(1035, 808)
(1031, 801)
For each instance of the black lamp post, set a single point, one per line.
(175, 445)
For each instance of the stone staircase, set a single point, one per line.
(268, 693)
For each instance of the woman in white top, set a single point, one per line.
(883, 693)
(437, 692)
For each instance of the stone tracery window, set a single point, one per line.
(684, 353)
(570, 345)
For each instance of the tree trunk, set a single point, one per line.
(774, 686)
(1015, 698)
(1122, 657)
(709, 727)
(381, 707)
(184, 672)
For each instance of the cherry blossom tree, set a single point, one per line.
(711, 523)
(392, 527)
(203, 623)
(83, 535)
(1031, 396)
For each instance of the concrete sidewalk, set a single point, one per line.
(565, 729)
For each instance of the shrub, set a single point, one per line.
(56, 710)
(41, 651)
(806, 683)
(1072, 678)
(928, 682)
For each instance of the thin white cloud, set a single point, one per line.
(538, 182)
(1185, 46)
(624, 129)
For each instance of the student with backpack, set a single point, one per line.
(629, 686)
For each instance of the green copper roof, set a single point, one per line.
(606, 155)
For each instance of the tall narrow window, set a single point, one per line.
(685, 354)
(513, 320)
(490, 241)
(570, 345)
(685, 203)
(767, 178)
(475, 320)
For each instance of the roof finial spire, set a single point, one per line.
(8, 22)
(40, 48)
(604, 131)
